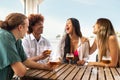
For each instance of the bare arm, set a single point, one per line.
(19, 68)
(35, 58)
(31, 64)
(93, 47)
(114, 50)
(44, 55)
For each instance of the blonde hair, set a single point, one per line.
(105, 30)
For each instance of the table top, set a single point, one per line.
(74, 72)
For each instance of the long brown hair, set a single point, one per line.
(76, 25)
(105, 30)
(12, 21)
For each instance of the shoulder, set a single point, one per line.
(45, 39)
(63, 38)
(84, 40)
(112, 38)
(112, 41)
(26, 38)
(5, 33)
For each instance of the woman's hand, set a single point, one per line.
(81, 62)
(91, 63)
(84, 39)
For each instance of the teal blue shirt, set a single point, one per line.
(11, 51)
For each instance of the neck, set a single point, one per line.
(16, 34)
(37, 36)
(73, 37)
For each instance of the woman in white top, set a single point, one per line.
(73, 42)
(34, 43)
(106, 42)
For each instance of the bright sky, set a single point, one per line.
(56, 12)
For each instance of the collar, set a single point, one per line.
(33, 38)
(79, 43)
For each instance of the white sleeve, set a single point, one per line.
(26, 46)
(83, 51)
(60, 47)
(86, 51)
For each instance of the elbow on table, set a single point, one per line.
(21, 73)
(111, 65)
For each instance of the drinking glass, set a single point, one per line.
(48, 49)
(70, 57)
(54, 60)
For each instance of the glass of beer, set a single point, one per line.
(54, 61)
(69, 57)
(47, 50)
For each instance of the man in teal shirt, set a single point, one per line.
(12, 56)
(11, 51)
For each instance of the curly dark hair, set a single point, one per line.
(33, 19)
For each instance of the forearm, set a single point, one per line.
(100, 64)
(103, 64)
(35, 58)
(31, 64)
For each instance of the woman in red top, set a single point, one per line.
(74, 43)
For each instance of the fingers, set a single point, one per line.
(81, 62)
(47, 52)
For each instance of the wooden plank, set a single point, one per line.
(67, 72)
(87, 73)
(118, 70)
(59, 72)
(80, 73)
(101, 74)
(94, 74)
(36, 73)
(108, 74)
(30, 71)
(72, 74)
(52, 72)
(42, 74)
(115, 74)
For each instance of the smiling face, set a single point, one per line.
(38, 28)
(95, 28)
(69, 27)
(22, 29)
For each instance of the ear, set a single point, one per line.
(20, 27)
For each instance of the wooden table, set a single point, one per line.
(74, 72)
